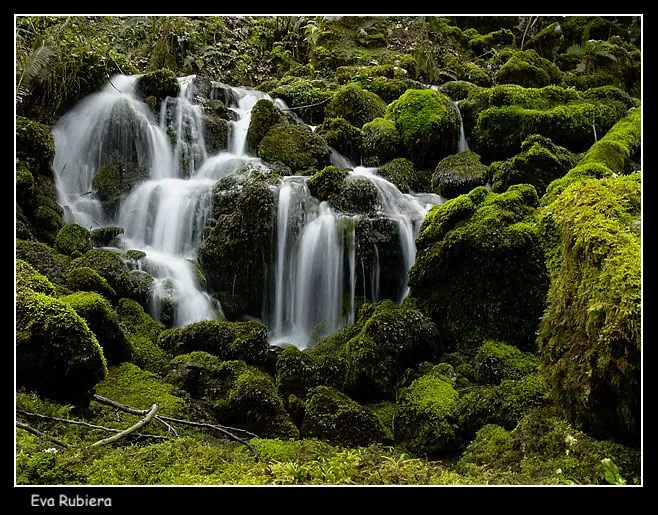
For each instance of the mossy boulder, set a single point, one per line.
(44, 259)
(482, 43)
(88, 279)
(528, 69)
(480, 271)
(308, 97)
(424, 422)
(246, 341)
(112, 268)
(428, 124)
(495, 361)
(355, 105)
(298, 372)
(35, 146)
(503, 404)
(264, 116)
(401, 172)
(458, 174)
(457, 89)
(47, 219)
(216, 132)
(160, 84)
(327, 183)
(237, 251)
(238, 395)
(57, 355)
(28, 277)
(114, 179)
(589, 337)
(342, 136)
(357, 195)
(102, 320)
(381, 142)
(295, 146)
(106, 236)
(73, 240)
(332, 416)
(539, 163)
(25, 187)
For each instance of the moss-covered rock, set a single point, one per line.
(539, 163)
(35, 145)
(111, 267)
(106, 236)
(480, 270)
(355, 105)
(115, 178)
(28, 277)
(103, 322)
(299, 92)
(88, 279)
(25, 187)
(482, 43)
(589, 337)
(296, 146)
(73, 240)
(159, 84)
(327, 183)
(457, 89)
(458, 174)
(44, 259)
(504, 404)
(342, 136)
(401, 172)
(216, 133)
(424, 422)
(495, 361)
(47, 218)
(57, 355)
(428, 123)
(264, 116)
(246, 341)
(298, 372)
(332, 416)
(528, 69)
(381, 142)
(237, 394)
(237, 247)
(357, 195)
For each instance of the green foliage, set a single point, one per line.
(264, 116)
(27, 277)
(331, 415)
(495, 361)
(35, 145)
(528, 69)
(73, 240)
(56, 353)
(458, 174)
(307, 97)
(296, 146)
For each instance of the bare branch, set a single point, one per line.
(131, 429)
(34, 431)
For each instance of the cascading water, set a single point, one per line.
(462, 146)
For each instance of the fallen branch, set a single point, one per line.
(309, 105)
(34, 431)
(131, 429)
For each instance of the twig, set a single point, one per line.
(131, 429)
(34, 431)
(309, 105)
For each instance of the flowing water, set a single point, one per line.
(316, 266)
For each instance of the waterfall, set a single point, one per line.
(462, 146)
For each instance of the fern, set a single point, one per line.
(34, 67)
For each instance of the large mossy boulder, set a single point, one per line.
(495, 361)
(528, 69)
(57, 355)
(381, 142)
(298, 372)
(295, 146)
(44, 259)
(327, 183)
(264, 116)
(246, 341)
(160, 84)
(539, 163)
(342, 136)
(236, 394)
(458, 174)
(402, 172)
(114, 179)
(425, 419)
(73, 240)
(103, 321)
(355, 105)
(27, 277)
(332, 416)
(480, 271)
(428, 123)
(237, 250)
(87, 279)
(35, 146)
(307, 97)
(590, 334)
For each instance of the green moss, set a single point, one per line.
(35, 145)
(106, 236)
(103, 322)
(44, 259)
(402, 173)
(297, 93)
(428, 124)
(589, 336)
(215, 134)
(356, 195)
(25, 187)
(264, 116)
(381, 142)
(342, 136)
(73, 240)
(355, 105)
(492, 448)
(496, 361)
(480, 271)
(528, 69)
(115, 178)
(481, 44)
(237, 394)
(385, 412)
(159, 83)
(331, 415)
(327, 183)
(27, 277)
(228, 340)
(458, 174)
(296, 146)
(425, 412)
(48, 222)
(387, 89)
(56, 353)
(539, 163)
(457, 89)
(298, 372)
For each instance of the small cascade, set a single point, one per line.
(247, 98)
(462, 146)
